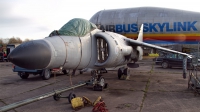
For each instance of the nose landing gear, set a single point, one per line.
(97, 80)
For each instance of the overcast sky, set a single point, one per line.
(35, 19)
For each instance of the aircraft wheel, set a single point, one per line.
(94, 88)
(56, 97)
(101, 81)
(98, 88)
(106, 86)
(81, 72)
(23, 75)
(46, 74)
(119, 73)
(65, 71)
(165, 65)
(71, 96)
(127, 71)
(101, 84)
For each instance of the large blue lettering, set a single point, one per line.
(174, 26)
(112, 28)
(191, 25)
(119, 28)
(126, 30)
(107, 28)
(152, 27)
(168, 27)
(161, 26)
(145, 27)
(181, 26)
(102, 27)
(134, 28)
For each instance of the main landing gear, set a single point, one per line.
(123, 73)
(97, 80)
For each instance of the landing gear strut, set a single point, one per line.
(97, 80)
(123, 73)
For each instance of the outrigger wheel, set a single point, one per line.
(120, 73)
(57, 97)
(125, 72)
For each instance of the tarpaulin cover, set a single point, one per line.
(77, 27)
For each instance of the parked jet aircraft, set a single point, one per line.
(95, 49)
(168, 25)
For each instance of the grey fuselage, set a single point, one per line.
(97, 49)
(162, 24)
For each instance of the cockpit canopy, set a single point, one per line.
(76, 27)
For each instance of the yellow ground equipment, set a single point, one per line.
(98, 104)
(97, 100)
(77, 103)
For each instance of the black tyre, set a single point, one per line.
(165, 65)
(81, 72)
(46, 74)
(56, 97)
(126, 71)
(101, 81)
(23, 75)
(98, 88)
(65, 71)
(71, 96)
(94, 88)
(120, 73)
(100, 85)
(106, 86)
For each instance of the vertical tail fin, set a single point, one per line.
(140, 36)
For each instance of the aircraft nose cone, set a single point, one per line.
(34, 54)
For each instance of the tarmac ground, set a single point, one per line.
(149, 89)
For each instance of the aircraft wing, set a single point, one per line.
(139, 42)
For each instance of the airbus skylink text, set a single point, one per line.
(152, 27)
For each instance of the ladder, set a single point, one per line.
(194, 73)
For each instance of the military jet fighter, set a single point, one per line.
(79, 45)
